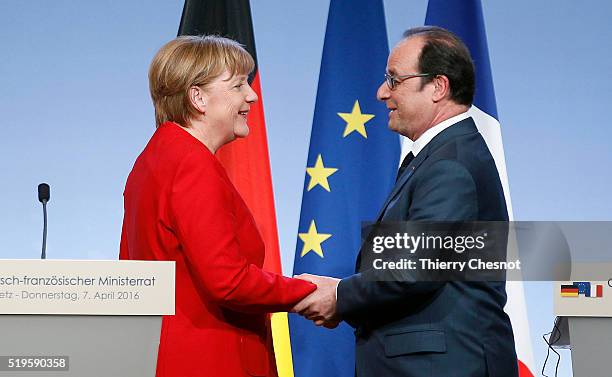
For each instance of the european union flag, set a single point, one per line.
(584, 288)
(352, 162)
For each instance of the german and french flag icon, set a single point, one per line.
(582, 288)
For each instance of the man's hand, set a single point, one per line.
(320, 305)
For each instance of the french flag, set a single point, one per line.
(465, 18)
(596, 291)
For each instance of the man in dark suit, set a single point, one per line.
(432, 329)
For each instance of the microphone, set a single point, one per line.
(44, 194)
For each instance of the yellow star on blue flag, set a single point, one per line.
(355, 121)
(312, 240)
(319, 174)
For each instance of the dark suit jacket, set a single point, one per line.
(181, 206)
(436, 328)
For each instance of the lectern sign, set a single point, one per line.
(86, 287)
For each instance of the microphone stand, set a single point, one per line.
(44, 194)
(43, 255)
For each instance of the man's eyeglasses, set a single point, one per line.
(393, 81)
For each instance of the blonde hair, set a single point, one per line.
(191, 61)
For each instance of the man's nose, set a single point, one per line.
(383, 92)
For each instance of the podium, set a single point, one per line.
(82, 318)
(584, 325)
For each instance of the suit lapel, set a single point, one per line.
(410, 169)
(463, 127)
(418, 160)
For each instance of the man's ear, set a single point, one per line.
(441, 88)
(197, 99)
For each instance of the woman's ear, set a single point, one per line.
(197, 99)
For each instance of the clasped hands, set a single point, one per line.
(320, 305)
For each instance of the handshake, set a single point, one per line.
(320, 305)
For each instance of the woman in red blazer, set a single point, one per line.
(181, 206)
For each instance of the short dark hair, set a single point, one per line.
(445, 54)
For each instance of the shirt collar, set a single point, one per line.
(428, 135)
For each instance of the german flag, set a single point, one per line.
(569, 291)
(247, 160)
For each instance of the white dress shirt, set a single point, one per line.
(428, 135)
